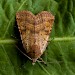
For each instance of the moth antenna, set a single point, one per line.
(24, 53)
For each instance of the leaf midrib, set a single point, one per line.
(9, 41)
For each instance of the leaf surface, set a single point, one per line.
(60, 53)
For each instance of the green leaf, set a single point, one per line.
(60, 53)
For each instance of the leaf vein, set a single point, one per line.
(9, 23)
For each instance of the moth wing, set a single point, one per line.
(34, 31)
(23, 18)
(25, 21)
(47, 22)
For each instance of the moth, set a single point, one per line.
(34, 31)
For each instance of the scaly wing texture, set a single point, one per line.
(34, 31)
(25, 25)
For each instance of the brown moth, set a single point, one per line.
(34, 31)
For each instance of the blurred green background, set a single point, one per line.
(60, 53)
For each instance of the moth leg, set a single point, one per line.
(13, 36)
(41, 60)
